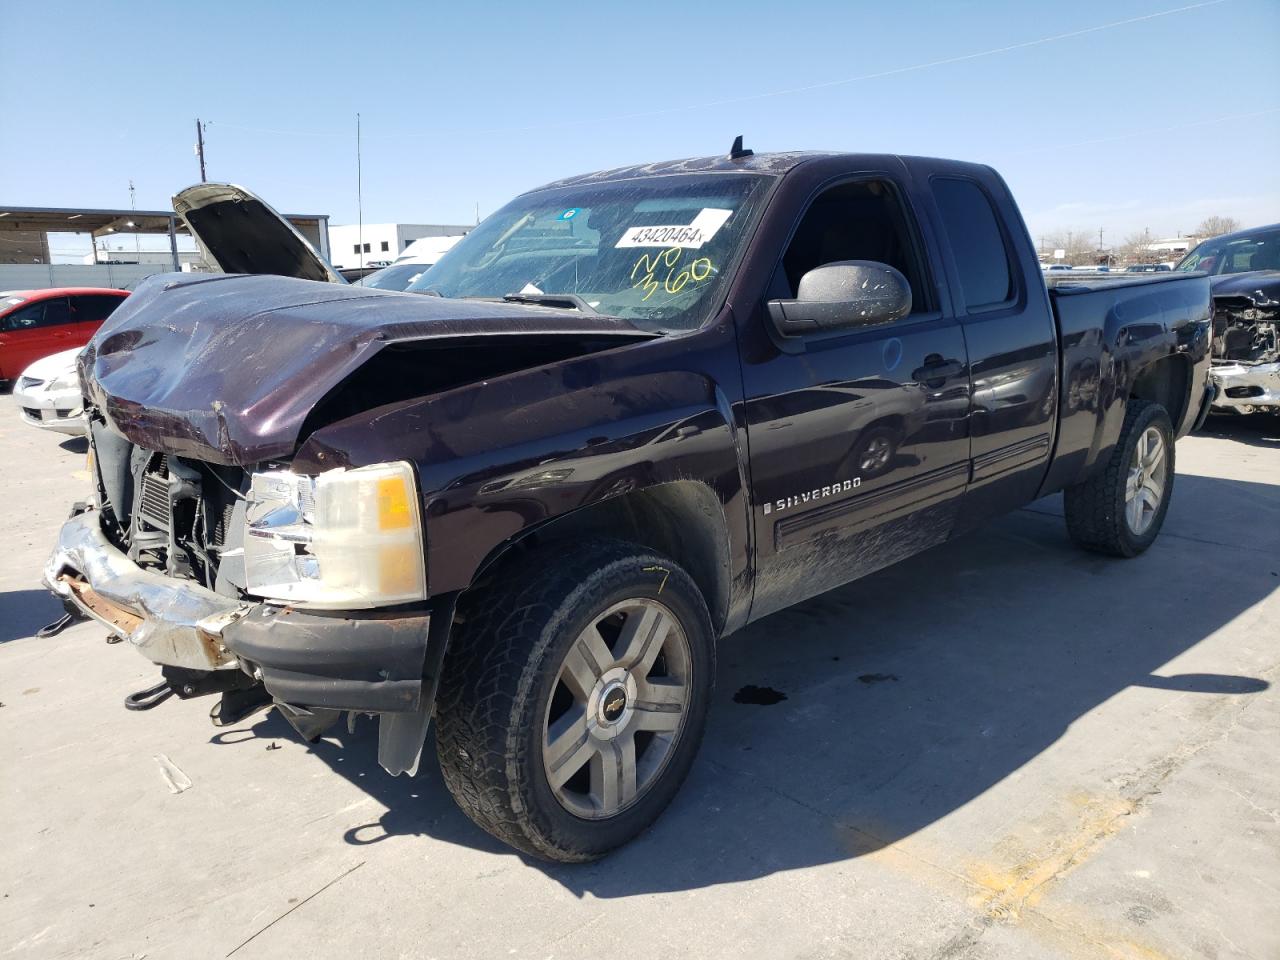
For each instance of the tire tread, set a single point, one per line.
(495, 660)
(1094, 509)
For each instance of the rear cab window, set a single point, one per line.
(978, 247)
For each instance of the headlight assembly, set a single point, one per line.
(346, 539)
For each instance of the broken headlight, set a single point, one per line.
(345, 539)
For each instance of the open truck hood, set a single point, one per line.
(227, 369)
(241, 233)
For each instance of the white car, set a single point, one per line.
(48, 394)
(411, 264)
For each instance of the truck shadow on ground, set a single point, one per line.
(23, 612)
(1255, 430)
(908, 694)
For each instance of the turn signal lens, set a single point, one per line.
(395, 507)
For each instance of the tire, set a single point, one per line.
(540, 661)
(1100, 511)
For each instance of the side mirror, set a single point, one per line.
(837, 296)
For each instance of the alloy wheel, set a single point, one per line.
(617, 709)
(1145, 485)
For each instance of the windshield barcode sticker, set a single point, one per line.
(705, 226)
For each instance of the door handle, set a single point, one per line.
(936, 369)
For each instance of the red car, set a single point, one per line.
(36, 323)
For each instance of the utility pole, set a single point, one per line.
(200, 148)
(359, 200)
(133, 205)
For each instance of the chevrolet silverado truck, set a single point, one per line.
(1244, 276)
(628, 414)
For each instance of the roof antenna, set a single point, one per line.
(738, 151)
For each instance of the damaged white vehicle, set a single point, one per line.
(1245, 279)
(48, 394)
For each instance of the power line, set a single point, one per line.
(1146, 132)
(788, 91)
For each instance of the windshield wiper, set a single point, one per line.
(565, 301)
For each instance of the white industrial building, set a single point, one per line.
(160, 257)
(1173, 247)
(352, 245)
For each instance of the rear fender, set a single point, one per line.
(1149, 341)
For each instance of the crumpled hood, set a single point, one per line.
(226, 368)
(1259, 285)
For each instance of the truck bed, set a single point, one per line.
(1104, 326)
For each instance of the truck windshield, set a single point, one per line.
(1236, 254)
(655, 251)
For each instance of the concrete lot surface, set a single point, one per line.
(1003, 748)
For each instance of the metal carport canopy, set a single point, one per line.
(100, 223)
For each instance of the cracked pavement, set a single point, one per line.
(1001, 748)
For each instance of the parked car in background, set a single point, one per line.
(48, 394)
(412, 264)
(1148, 268)
(1244, 269)
(1055, 266)
(356, 274)
(37, 323)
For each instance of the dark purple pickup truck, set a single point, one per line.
(626, 415)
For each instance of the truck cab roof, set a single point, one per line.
(765, 164)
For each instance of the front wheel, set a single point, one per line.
(1120, 509)
(574, 698)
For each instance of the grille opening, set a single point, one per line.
(153, 494)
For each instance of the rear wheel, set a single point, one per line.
(573, 699)
(1120, 509)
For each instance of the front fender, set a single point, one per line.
(499, 458)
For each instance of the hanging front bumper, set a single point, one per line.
(371, 661)
(170, 621)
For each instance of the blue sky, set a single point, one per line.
(1154, 123)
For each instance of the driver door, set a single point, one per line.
(859, 445)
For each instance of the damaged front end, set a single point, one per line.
(159, 561)
(213, 558)
(1246, 344)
